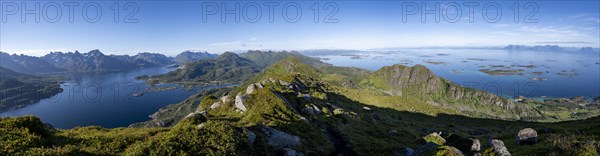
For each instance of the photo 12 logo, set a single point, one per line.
(52, 12)
(253, 12)
(454, 12)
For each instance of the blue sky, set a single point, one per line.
(172, 27)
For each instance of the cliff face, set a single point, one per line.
(418, 81)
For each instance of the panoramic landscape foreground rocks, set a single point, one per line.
(526, 136)
(452, 144)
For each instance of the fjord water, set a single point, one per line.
(104, 99)
(580, 70)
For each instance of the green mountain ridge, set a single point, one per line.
(227, 68)
(418, 81)
(265, 59)
(189, 56)
(293, 108)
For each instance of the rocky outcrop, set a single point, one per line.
(402, 80)
(420, 82)
(215, 105)
(196, 117)
(239, 102)
(279, 139)
(258, 85)
(283, 83)
(475, 145)
(526, 136)
(312, 109)
(195, 114)
(225, 99)
(467, 145)
(250, 89)
(499, 148)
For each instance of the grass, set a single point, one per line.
(344, 126)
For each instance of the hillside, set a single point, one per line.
(420, 82)
(265, 59)
(293, 108)
(19, 90)
(189, 56)
(227, 68)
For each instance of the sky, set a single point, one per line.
(170, 27)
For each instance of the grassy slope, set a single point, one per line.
(344, 126)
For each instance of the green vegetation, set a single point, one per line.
(291, 106)
(265, 59)
(172, 114)
(227, 68)
(189, 56)
(19, 90)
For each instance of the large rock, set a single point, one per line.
(196, 117)
(225, 99)
(250, 89)
(215, 105)
(239, 102)
(258, 85)
(475, 145)
(199, 114)
(279, 139)
(312, 109)
(526, 136)
(284, 83)
(467, 145)
(499, 147)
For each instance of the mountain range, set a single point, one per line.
(92, 61)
